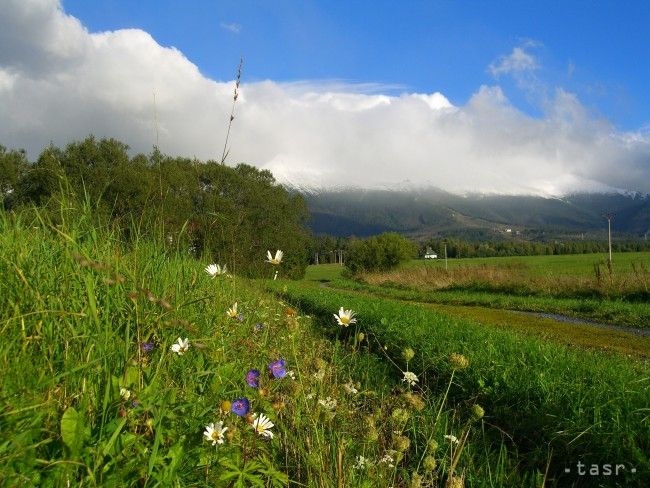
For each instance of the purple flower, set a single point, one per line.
(135, 403)
(259, 326)
(146, 346)
(240, 317)
(240, 406)
(277, 368)
(253, 378)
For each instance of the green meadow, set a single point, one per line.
(578, 265)
(125, 363)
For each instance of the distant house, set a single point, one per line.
(430, 254)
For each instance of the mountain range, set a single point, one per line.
(432, 212)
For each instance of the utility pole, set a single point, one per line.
(609, 217)
(445, 256)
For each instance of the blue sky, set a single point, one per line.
(506, 97)
(598, 50)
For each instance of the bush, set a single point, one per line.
(380, 253)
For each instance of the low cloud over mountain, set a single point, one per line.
(60, 82)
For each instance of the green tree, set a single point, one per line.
(379, 253)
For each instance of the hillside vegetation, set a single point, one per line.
(206, 208)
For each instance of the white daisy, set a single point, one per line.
(263, 425)
(125, 394)
(410, 378)
(214, 433)
(274, 260)
(181, 346)
(345, 317)
(215, 270)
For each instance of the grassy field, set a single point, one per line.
(95, 392)
(553, 284)
(548, 406)
(578, 265)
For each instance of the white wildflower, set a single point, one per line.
(263, 425)
(214, 433)
(452, 438)
(362, 463)
(410, 378)
(277, 259)
(350, 388)
(329, 403)
(181, 346)
(215, 270)
(345, 317)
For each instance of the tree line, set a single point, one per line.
(458, 248)
(224, 214)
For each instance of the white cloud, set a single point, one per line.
(232, 27)
(517, 61)
(59, 83)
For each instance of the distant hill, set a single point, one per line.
(434, 212)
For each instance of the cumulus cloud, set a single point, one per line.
(517, 61)
(59, 82)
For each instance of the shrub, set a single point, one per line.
(379, 253)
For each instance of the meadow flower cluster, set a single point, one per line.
(250, 392)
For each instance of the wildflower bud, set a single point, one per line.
(458, 361)
(408, 354)
(133, 295)
(230, 433)
(432, 445)
(371, 434)
(402, 443)
(414, 401)
(225, 406)
(321, 364)
(477, 412)
(416, 481)
(278, 405)
(429, 463)
(122, 412)
(456, 482)
(263, 392)
(249, 418)
(400, 416)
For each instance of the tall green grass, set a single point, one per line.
(84, 403)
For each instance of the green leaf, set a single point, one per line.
(108, 447)
(73, 430)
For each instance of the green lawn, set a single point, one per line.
(568, 264)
